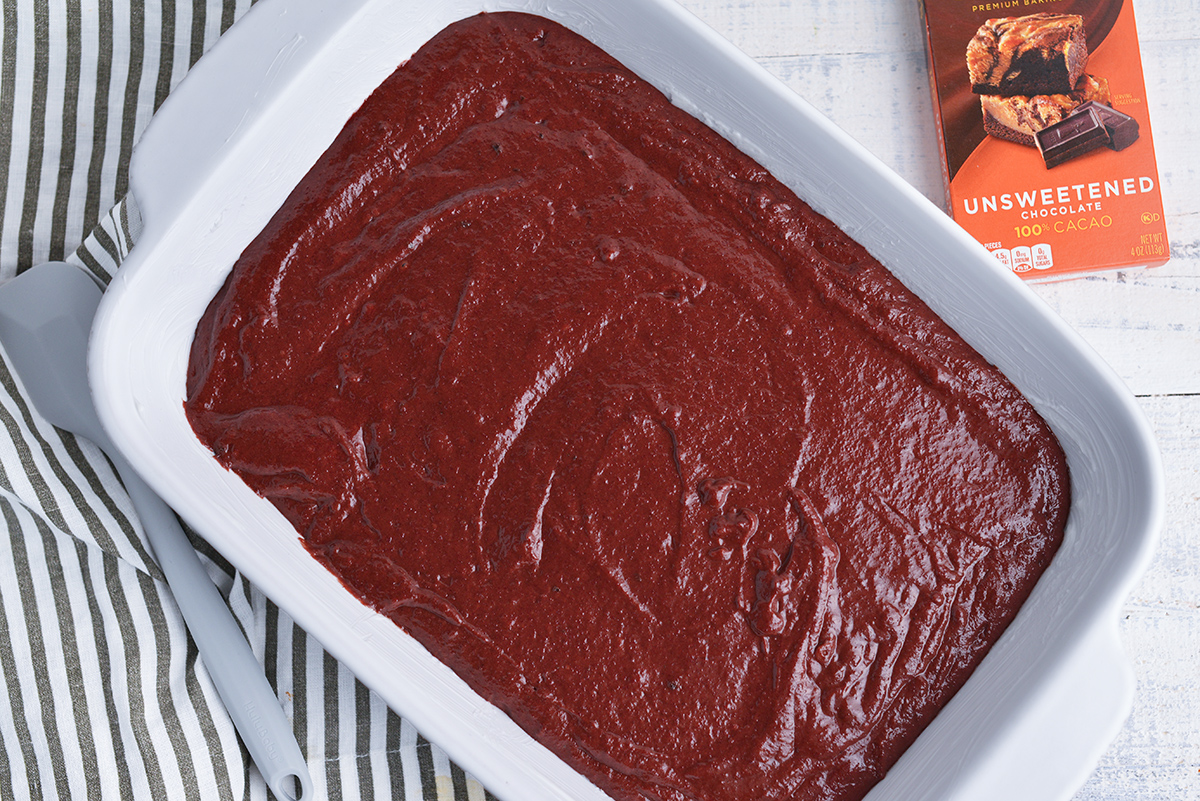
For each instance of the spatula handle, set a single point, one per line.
(236, 672)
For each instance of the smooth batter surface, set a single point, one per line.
(654, 456)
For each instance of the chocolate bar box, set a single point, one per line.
(1045, 138)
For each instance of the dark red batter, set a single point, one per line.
(655, 457)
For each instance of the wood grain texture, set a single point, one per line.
(862, 63)
(1157, 755)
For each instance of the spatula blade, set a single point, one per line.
(45, 319)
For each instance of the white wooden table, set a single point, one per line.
(862, 63)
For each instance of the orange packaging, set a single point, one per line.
(1052, 184)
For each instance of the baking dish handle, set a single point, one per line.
(208, 112)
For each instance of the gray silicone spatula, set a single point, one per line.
(45, 320)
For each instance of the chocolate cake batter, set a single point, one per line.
(652, 455)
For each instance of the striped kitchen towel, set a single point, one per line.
(102, 694)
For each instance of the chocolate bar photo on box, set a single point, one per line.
(1077, 134)
(1122, 129)
(1088, 127)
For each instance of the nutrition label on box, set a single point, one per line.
(1024, 258)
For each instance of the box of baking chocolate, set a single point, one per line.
(1044, 133)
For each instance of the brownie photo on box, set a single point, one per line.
(1019, 65)
(1020, 117)
(1039, 54)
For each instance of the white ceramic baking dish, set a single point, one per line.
(254, 114)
